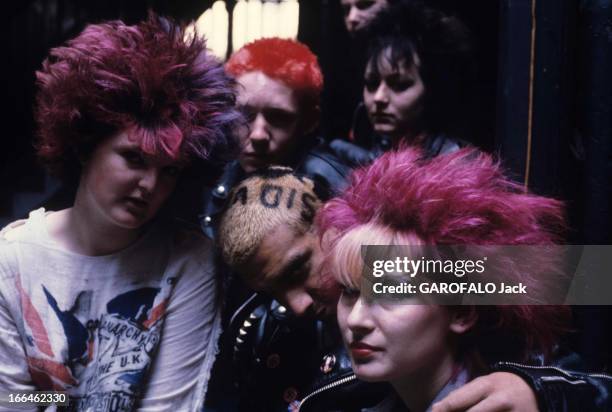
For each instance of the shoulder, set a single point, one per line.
(214, 198)
(325, 167)
(191, 251)
(14, 235)
(188, 240)
(443, 144)
(23, 229)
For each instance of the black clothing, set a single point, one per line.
(284, 365)
(318, 163)
(304, 360)
(560, 389)
(280, 361)
(270, 360)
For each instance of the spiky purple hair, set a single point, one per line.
(459, 199)
(173, 96)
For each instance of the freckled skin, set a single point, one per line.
(394, 97)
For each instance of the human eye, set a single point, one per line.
(248, 113)
(349, 292)
(371, 83)
(297, 275)
(364, 4)
(133, 158)
(279, 117)
(400, 84)
(172, 171)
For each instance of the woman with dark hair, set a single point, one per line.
(425, 349)
(417, 81)
(97, 299)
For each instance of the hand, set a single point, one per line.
(497, 392)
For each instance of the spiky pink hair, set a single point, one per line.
(283, 59)
(457, 199)
(173, 96)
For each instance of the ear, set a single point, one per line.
(310, 120)
(463, 318)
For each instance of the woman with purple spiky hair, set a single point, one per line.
(97, 300)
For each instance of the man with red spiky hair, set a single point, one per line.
(279, 84)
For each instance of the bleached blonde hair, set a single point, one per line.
(260, 203)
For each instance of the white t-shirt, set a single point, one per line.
(137, 329)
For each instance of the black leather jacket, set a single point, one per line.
(274, 361)
(319, 162)
(558, 388)
(282, 363)
(363, 155)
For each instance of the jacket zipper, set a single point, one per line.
(329, 386)
(521, 365)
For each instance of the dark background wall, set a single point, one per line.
(34, 26)
(543, 96)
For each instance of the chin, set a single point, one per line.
(371, 372)
(384, 129)
(247, 166)
(128, 220)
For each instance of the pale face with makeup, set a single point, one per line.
(394, 96)
(122, 186)
(391, 341)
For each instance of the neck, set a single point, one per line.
(411, 139)
(81, 230)
(420, 389)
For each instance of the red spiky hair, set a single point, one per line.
(172, 95)
(286, 60)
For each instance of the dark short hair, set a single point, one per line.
(444, 48)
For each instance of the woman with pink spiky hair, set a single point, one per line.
(98, 299)
(424, 348)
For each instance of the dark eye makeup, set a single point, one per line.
(133, 157)
(364, 4)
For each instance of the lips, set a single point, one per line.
(361, 351)
(254, 155)
(255, 158)
(137, 203)
(382, 117)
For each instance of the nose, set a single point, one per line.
(149, 178)
(358, 320)
(352, 18)
(381, 96)
(258, 133)
(299, 301)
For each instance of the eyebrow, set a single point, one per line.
(295, 263)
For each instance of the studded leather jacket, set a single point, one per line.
(275, 362)
(319, 162)
(283, 363)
